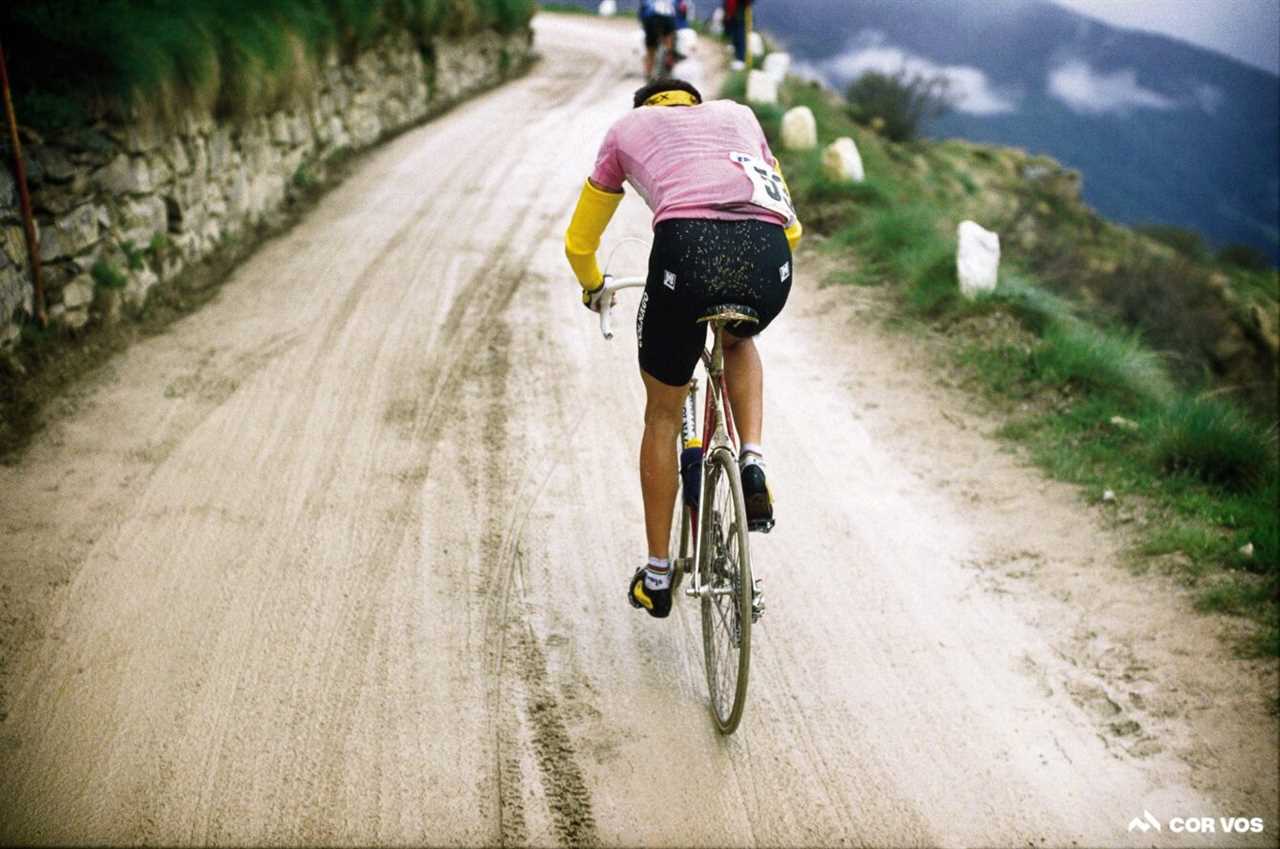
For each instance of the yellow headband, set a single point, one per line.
(672, 98)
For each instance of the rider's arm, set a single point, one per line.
(794, 232)
(795, 229)
(595, 207)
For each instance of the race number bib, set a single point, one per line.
(767, 188)
(663, 7)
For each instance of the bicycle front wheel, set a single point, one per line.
(724, 571)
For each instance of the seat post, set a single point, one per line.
(716, 386)
(717, 349)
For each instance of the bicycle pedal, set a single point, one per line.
(757, 600)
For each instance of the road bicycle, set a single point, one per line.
(709, 530)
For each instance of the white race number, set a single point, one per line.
(767, 188)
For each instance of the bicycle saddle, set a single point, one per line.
(731, 313)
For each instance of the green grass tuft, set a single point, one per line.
(135, 258)
(108, 276)
(1115, 364)
(1212, 440)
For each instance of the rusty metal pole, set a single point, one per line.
(20, 171)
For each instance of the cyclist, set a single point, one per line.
(658, 17)
(723, 232)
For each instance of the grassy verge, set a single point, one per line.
(69, 59)
(1081, 388)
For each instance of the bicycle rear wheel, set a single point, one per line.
(724, 570)
(663, 63)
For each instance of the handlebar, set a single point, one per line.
(611, 285)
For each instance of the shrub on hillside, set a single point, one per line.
(1189, 243)
(896, 105)
(1244, 256)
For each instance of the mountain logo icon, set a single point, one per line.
(1144, 823)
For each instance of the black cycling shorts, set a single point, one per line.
(656, 27)
(695, 264)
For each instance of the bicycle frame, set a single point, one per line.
(717, 423)
(718, 434)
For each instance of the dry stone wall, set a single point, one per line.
(121, 208)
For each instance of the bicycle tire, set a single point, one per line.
(724, 565)
(663, 63)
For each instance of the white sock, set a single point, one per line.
(752, 453)
(657, 575)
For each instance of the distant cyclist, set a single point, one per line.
(723, 230)
(658, 17)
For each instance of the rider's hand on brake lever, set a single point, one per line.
(596, 299)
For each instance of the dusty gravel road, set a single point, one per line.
(341, 560)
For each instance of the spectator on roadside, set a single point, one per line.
(735, 28)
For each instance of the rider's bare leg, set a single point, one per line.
(744, 374)
(648, 61)
(659, 473)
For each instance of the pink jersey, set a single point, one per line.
(681, 159)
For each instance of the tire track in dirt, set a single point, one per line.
(356, 615)
(464, 333)
(564, 787)
(475, 331)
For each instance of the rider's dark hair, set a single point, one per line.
(668, 84)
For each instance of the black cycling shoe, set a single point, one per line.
(657, 602)
(759, 502)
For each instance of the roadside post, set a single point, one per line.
(20, 173)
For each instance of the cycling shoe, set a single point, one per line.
(656, 602)
(755, 492)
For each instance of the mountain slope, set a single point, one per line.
(1162, 131)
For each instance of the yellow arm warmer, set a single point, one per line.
(796, 230)
(582, 239)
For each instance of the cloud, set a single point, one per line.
(968, 87)
(1092, 92)
(1208, 97)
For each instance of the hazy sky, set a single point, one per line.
(1248, 30)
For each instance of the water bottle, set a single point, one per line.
(691, 472)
